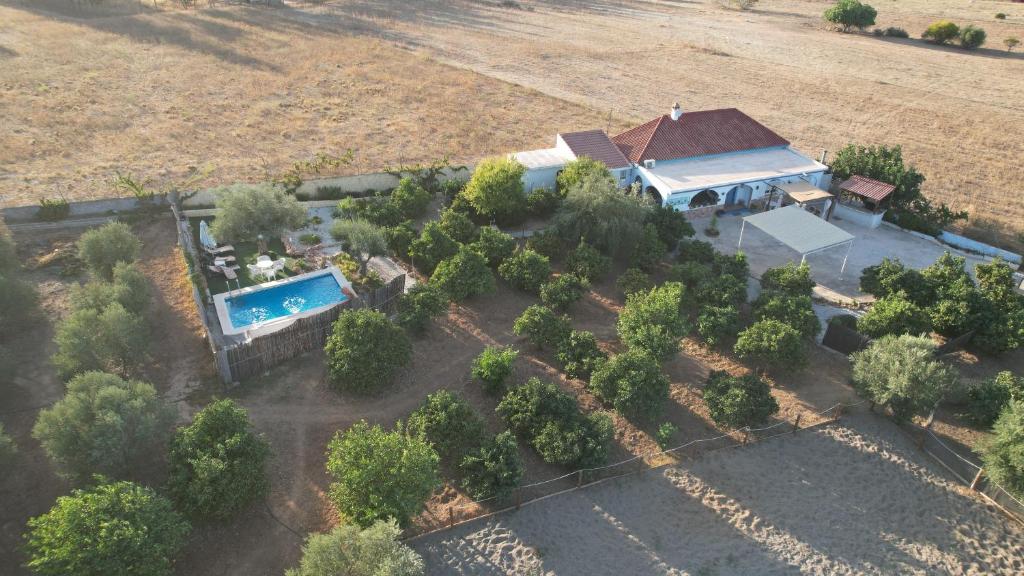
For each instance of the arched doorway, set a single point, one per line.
(704, 198)
(654, 195)
(739, 195)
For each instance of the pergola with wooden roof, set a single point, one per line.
(871, 192)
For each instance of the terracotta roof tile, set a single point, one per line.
(596, 145)
(699, 133)
(868, 188)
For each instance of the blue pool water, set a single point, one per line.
(291, 298)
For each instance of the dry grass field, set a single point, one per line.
(958, 114)
(237, 90)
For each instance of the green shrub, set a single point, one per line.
(891, 276)
(1001, 454)
(795, 311)
(901, 372)
(690, 273)
(217, 463)
(448, 422)
(633, 383)
(731, 264)
(718, 325)
(575, 171)
(650, 250)
(894, 315)
(580, 355)
(496, 190)
(493, 367)
(587, 262)
(119, 529)
(103, 425)
(562, 291)
(1000, 16)
(364, 351)
(100, 249)
(114, 340)
(719, 290)
(378, 475)
(596, 210)
(495, 245)
(245, 211)
(354, 551)
(542, 202)
(695, 251)
(400, 238)
(547, 243)
(1011, 42)
(528, 407)
(458, 226)
(972, 37)
(851, 14)
(986, 400)
(433, 246)
(633, 280)
(494, 470)
(894, 32)
(53, 210)
(129, 288)
(464, 275)
(771, 344)
(421, 304)
(738, 401)
(525, 270)
(845, 320)
(941, 32)
(671, 224)
(18, 304)
(665, 433)
(410, 199)
(309, 239)
(542, 327)
(379, 210)
(793, 279)
(653, 321)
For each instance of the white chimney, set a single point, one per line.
(676, 111)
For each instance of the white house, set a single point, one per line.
(688, 160)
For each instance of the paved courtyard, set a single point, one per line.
(869, 248)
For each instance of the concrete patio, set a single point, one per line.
(869, 248)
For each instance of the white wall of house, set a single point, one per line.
(540, 178)
(680, 199)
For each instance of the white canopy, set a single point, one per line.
(800, 230)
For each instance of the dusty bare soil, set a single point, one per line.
(956, 113)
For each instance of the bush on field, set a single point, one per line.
(941, 32)
(410, 199)
(738, 401)
(496, 190)
(433, 246)
(650, 250)
(140, 532)
(851, 14)
(1001, 454)
(671, 225)
(464, 275)
(379, 475)
(793, 279)
(494, 470)
(245, 211)
(542, 327)
(587, 262)
(718, 325)
(100, 249)
(458, 226)
(217, 462)
(365, 350)
(894, 315)
(421, 304)
(633, 280)
(633, 383)
(901, 372)
(580, 355)
(525, 270)
(114, 340)
(986, 400)
(103, 425)
(596, 210)
(562, 291)
(653, 320)
(448, 422)
(495, 245)
(972, 37)
(795, 311)
(771, 344)
(493, 367)
(128, 287)
(542, 202)
(353, 551)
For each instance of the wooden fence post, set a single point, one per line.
(977, 478)
(451, 516)
(839, 412)
(796, 424)
(579, 478)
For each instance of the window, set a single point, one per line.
(704, 198)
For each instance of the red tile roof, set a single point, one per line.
(696, 134)
(596, 145)
(868, 188)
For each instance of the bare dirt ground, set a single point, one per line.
(956, 113)
(236, 91)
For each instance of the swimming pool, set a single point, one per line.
(242, 310)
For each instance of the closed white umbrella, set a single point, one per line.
(205, 237)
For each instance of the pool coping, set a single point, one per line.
(228, 328)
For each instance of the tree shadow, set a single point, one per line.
(981, 52)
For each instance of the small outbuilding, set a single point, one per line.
(863, 200)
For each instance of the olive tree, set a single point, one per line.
(1002, 454)
(114, 340)
(100, 249)
(365, 350)
(128, 287)
(596, 210)
(851, 14)
(118, 529)
(360, 239)
(901, 372)
(246, 211)
(353, 551)
(379, 474)
(217, 462)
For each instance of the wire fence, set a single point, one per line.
(536, 491)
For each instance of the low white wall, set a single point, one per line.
(540, 178)
(858, 217)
